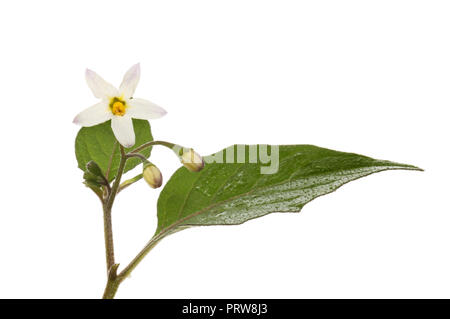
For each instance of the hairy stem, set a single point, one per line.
(113, 283)
(133, 264)
(129, 182)
(115, 187)
(109, 242)
(138, 155)
(114, 279)
(111, 289)
(148, 144)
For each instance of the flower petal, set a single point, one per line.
(130, 81)
(96, 114)
(144, 110)
(123, 130)
(100, 87)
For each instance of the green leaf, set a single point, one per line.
(96, 143)
(94, 169)
(93, 179)
(94, 175)
(233, 193)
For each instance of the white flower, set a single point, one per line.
(118, 105)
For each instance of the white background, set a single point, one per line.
(370, 77)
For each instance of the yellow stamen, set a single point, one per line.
(118, 108)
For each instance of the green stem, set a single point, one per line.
(133, 264)
(107, 221)
(112, 196)
(113, 283)
(138, 155)
(111, 289)
(148, 144)
(114, 279)
(129, 182)
(109, 242)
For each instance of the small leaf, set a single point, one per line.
(94, 174)
(233, 193)
(93, 179)
(93, 168)
(96, 143)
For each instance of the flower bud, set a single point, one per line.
(152, 175)
(192, 160)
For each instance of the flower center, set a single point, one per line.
(117, 106)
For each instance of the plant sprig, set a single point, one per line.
(230, 187)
